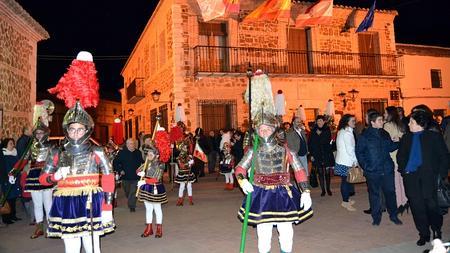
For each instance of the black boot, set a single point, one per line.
(321, 171)
(437, 234)
(328, 181)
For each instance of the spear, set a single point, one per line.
(249, 197)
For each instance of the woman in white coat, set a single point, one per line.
(345, 157)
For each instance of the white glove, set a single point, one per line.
(141, 173)
(62, 172)
(246, 186)
(305, 201)
(140, 183)
(107, 217)
(312, 158)
(12, 179)
(191, 162)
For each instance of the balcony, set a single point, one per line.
(227, 60)
(135, 91)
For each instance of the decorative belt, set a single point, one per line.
(80, 181)
(37, 165)
(272, 179)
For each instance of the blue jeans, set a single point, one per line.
(346, 189)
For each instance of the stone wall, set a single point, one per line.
(15, 81)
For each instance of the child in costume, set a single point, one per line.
(227, 165)
(185, 176)
(151, 189)
(274, 201)
(82, 202)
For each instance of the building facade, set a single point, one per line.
(19, 35)
(203, 65)
(427, 77)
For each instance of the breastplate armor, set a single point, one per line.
(39, 152)
(271, 159)
(155, 170)
(80, 164)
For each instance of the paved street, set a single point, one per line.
(211, 226)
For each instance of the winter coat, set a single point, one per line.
(10, 158)
(373, 152)
(345, 147)
(128, 162)
(434, 159)
(320, 148)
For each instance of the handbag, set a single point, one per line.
(313, 178)
(443, 196)
(5, 208)
(355, 175)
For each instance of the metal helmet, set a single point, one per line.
(42, 127)
(267, 119)
(150, 148)
(77, 114)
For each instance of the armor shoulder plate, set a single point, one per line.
(103, 161)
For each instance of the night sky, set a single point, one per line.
(111, 29)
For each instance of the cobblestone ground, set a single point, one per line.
(211, 226)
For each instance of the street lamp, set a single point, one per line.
(354, 93)
(130, 112)
(156, 96)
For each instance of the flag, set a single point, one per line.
(318, 13)
(198, 152)
(368, 19)
(211, 9)
(231, 6)
(270, 10)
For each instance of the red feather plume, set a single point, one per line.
(162, 142)
(176, 134)
(79, 83)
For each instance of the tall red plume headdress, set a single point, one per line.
(162, 142)
(79, 82)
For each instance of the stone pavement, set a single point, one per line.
(211, 226)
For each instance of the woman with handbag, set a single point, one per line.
(345, 157)
(319, 145)
(422, 159)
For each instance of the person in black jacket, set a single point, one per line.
(126, 163)
(422, 158)
(373, 153)
(23, 140)
(199, 166)
(322, 158)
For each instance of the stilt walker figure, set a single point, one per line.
(227, 166)
(274, 201)
(185, 176)
(82, 203)
(151, 189)
(40, 194)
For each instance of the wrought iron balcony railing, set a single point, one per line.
(135, 91)
(214, 59)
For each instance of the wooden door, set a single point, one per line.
(297, 51)
(369, 51)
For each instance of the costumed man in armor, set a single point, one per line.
(82, 202)
(151, 189)
(40, 194)
(227, 166)
(185, 176)
(274, 201)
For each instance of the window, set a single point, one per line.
(436, 80)
(395, 95)
(213, 36)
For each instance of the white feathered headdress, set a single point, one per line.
(262, 98)
(179, 113)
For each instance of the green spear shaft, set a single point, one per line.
(248, 200)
